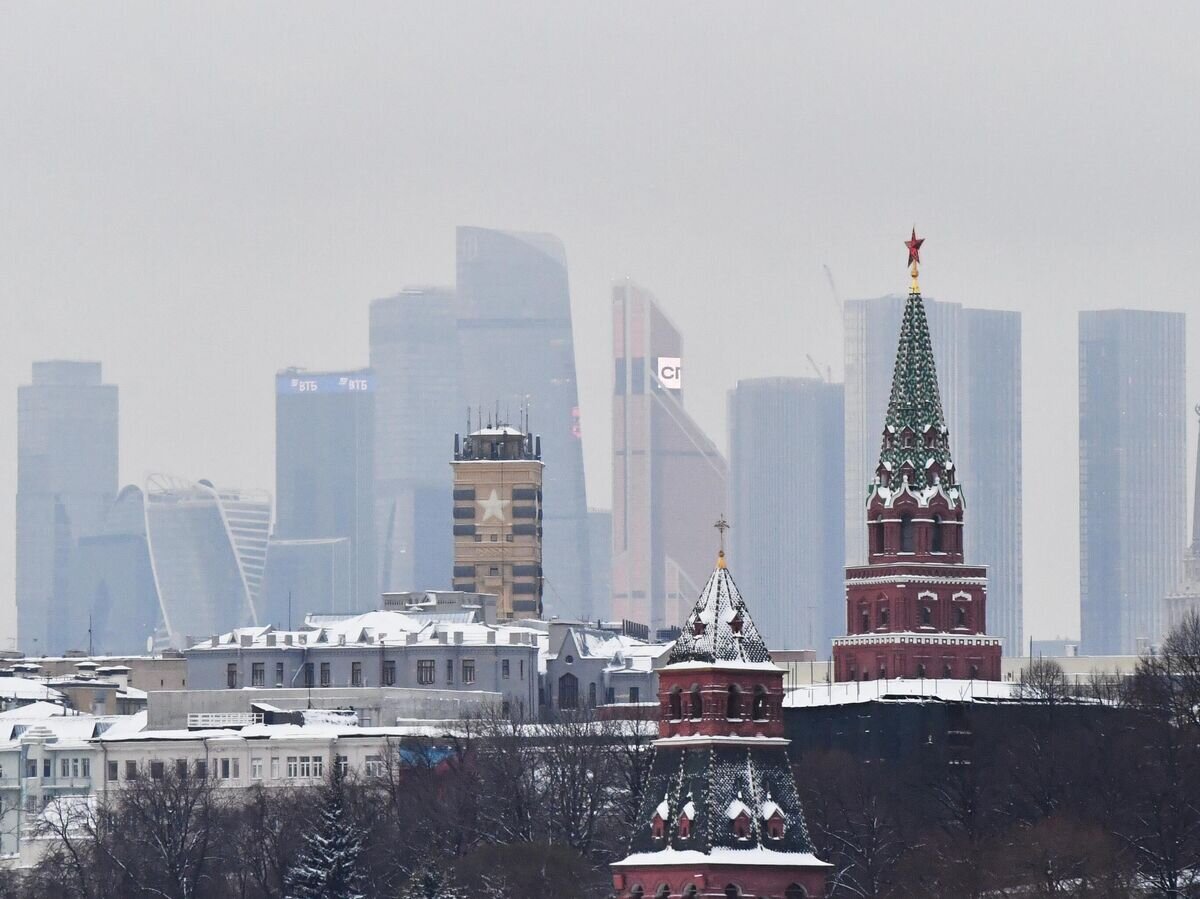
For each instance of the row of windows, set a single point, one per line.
(308, 673)
(69, 766)
(568, 693)
(690, 891)
(294, 767)
(734, 707)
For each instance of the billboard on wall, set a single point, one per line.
(670, 372)
(324, 382)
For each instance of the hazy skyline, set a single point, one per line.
(198, 196)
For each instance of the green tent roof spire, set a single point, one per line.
(916, 442)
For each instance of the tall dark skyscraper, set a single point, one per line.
(978, 355)
(418, 410)
(325, 471)
(66, 482)
(1132, 480)
(669, 478)
(516, 351)
(785, 480)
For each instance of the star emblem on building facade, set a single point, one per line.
(493, 506)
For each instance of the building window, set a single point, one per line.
(343, 765)
(224, 769)
(309, 680)
(31, 768)
(504, 669)
(389, 674)
(85, 767)
(47, 769)
(697, 702)
(675, 704)
(425, 671)
(326, 676)
(111, 771)
(356, 674)
(258, 674)
(877, 535)
(318, 766)
(960, 616)
(279, 674)
(592, 695)
(256, 768)
(908, 534)
(795, 891)
(884, 617)
(937, 534)
(865, 624)
(201, 768)
(926, 616)
(181, 768)
(635, 695)
(449, 671)
(231, 675)
(610, 695)
(468, 667)
(156, 770)
(64, 767)
(568, 692)
(374, 766)
(293, 766)
(759, 709)
(275, 767)
(733, 703)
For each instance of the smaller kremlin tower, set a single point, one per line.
(722, 815)
(915, 609)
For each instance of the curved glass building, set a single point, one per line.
(208, 549)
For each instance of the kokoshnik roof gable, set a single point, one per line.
(916, 441)
(720, 630)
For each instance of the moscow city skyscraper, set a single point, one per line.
(978, 355)
(517, 352)
(414, 357)
(786, 492)
(669, 478)
(324, 484)
(66, 481)
(1132, 475)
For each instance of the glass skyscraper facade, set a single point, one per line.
(669, 478)
(978, 354)
(208, 550)
(325, 478)
(1132, 475)
(517, 352)
(414, 358)
(786, 488)
(67, 447)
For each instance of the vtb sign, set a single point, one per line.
(670, 372)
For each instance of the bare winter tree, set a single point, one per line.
(1044, 680)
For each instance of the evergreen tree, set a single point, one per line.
(430, 882)
(327, 867)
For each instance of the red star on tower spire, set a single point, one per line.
(914, 247)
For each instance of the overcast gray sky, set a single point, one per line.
(200, 194)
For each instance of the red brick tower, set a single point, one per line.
(915, 609)
(722, 816)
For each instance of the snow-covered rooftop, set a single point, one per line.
(900, 689)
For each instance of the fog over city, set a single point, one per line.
(198, 199)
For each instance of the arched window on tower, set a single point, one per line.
(675, 704)
(732, 892)
(697, 702)
(926, 616)
(960, 616)
(759, 709)
(938, 542)
(663, 892)
(908, 534)
(877, 535)
(733, 703)
(795, 891)
(864, 622)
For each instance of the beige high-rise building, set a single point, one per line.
(498, 518)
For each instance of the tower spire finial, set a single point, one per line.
(722, 526)
(914, 260)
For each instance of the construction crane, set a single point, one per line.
(813, 362)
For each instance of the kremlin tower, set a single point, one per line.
(722, 815)
(915, 609)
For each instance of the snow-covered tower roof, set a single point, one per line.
(720, 628)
